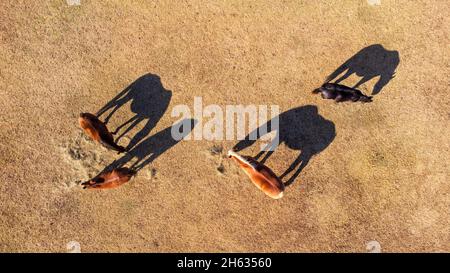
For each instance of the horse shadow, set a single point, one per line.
(153, 146)
(370, 62)
(301, 129)
(149, 102)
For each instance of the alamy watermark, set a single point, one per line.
(73, 2)
(232, 122)
(373, 247)
(73, 247)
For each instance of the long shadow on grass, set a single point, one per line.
(370, 62)
(300, 129)
(153, 146)
(149, 101)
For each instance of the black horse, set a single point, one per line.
(300, 128)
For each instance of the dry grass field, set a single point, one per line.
(382, 176)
